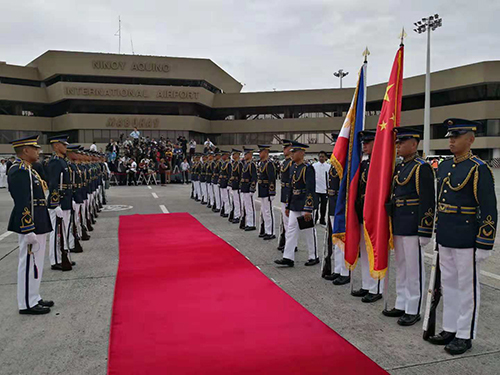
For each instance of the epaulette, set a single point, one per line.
(23, 165)
(476, 160)
(419, 160)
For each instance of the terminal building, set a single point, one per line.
(96, 97)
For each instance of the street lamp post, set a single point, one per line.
(340, 74)
(428, 24)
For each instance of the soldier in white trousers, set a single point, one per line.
(248, 185)
(266, 192)
(285, 189)
(30, 219)
(300, 206)
(234, 184)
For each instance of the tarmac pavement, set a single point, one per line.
(73, 338)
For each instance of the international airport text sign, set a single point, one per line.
(132, 93)
(133, 122)
(133, 66)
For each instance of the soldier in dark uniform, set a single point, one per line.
(285, 178)
(208, 174)
(74, 233)
(412, 210)
(340, 274)
(60, 199)
(234, 183)
(371, 289)
(266, 191)
(30, 219)
(215, 182)
(224, 175)
(301, 204)
(466, 226)
(195, 177)
(203, 179)
(248, 185)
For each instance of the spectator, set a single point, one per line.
(3, 174)
(185, 171)
(132, 172)
(321, 169)
(135, 134)
(10, 162)
(162, 169)
(93, 146)
(208, 145)
(192, 148)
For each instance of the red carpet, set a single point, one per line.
(186, 302)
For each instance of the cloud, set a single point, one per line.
(266, 44)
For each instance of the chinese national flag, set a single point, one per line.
(377, 222)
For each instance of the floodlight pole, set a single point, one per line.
(427, 105)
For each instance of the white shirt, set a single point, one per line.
(93, 147)
(209, 144)
(321, 170)
(135, 134)
(184, 166)
(192, 144)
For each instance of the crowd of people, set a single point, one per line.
(464, 205)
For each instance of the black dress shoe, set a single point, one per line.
(359, 293)
(73, 263)
(342, 280)
(443, 338)
(458, 346)
(203, 203)
(46, 303)
(268, 237)
(370, 298)
(35, 310)
(331, 277)
(285, 262)
(216, 210)
(235, 221)
(85, 237)
(225, 215)
(56, 267)
(408, 320)
(312, 262)
(393, 313)
(322, 222)
(249, 229)
(262, 235)
(209, 206)
(281, 248)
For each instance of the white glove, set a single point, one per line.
(424, 241)
(30, 238)
(482, 254)
(59, 212)
(74, 205)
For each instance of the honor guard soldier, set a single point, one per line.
(30, 219)
(465, 233)
(208, 173)
(203, 179)
(371, 289)
(412, 210)
(224, 175)
(285, 189)
(60, 202)
(195, 177)
(300, 206)
(340, 274)
(248, 185)
(266, 191)
(234, 183)
(215, 182)
(74, 233)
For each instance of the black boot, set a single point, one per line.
(342, 280)
(458, 346)
(285, 262)
(442, 338)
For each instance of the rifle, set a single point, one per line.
(78, 247)
(231, 201)
(262, 228)
(85, 235)
(326, 260)
(433, 296)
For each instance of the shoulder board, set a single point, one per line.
(420, 161)
(476, 160)
(55, 157)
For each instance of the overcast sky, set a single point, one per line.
(265, 44)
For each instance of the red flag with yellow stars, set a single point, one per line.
(378, 235)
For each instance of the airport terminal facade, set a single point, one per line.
(95, 97)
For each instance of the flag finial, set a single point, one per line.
(366, 53)
(402, 36)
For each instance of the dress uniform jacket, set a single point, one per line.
(303, 188)
(266, 179)
(209, 171)
(413, 199)
(59, 195)
(224, 174)
(202, 171)
(77, 183)
(333, 190)
(248, 180)
(467, 206)
(363, 178)
(22, 220)
(195, 170)
(234, 181)
(215, 172)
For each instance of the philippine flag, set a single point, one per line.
(346, 159)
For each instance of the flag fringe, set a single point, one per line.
(377, 275)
